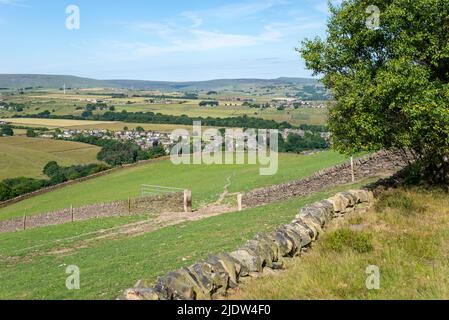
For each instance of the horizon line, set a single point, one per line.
(167, 81)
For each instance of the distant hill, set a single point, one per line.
(15, 81)
(220, 84)
(301, 87)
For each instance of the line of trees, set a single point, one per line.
(12, 188)
(209, 104)
(150, 117)
(297, 144)
(117, 153)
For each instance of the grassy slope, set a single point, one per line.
(206, 182)
(22, 156)
(410, 234)
(109, 266)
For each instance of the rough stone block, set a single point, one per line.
(210, 278)
(293, 237)
(339, 202)
(315, 211)
(230, 265)
(249, 259)
(352, 199)
(140, 294)
(177, 285)
(305, 233)
(313, 225)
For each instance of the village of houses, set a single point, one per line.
(144, 139)
(149, 139)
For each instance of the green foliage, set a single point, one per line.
(114, 152)
(6, 130)
(87, 114)
(11, 188)
(209, 104)
(59, 174)
(31, 133)
(310, 141)
(391, 83)
(296, 143)
(44, 114)
(118, 153)
(343, 239)
(156, 152)
(51, 168)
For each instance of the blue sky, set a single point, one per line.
(175, 40)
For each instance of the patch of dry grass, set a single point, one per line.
(407, 232)
(23, 156)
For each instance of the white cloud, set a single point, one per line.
(156, 28)
(198, 40)
(17, 3)
(235, 11)
(194, 18)
(189, 33)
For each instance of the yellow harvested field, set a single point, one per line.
(52, 123)
(92, 125)
(117, 126)
(26, 157)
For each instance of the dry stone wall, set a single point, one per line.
(365, 167)
(213, 277)
(155, 204)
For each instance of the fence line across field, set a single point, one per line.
(163, 199)
(150, 190)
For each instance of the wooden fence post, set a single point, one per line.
(187, 201)
(129, 205)
(71, 212)
(24, 221)
(352, 170)
(240, 201)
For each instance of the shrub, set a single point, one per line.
(31, 133)
(6, 130)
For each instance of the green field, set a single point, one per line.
(26, 157)
(207, 182)
(33, 262)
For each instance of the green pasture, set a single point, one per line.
(207, 182)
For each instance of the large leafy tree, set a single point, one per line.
(390, 80)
